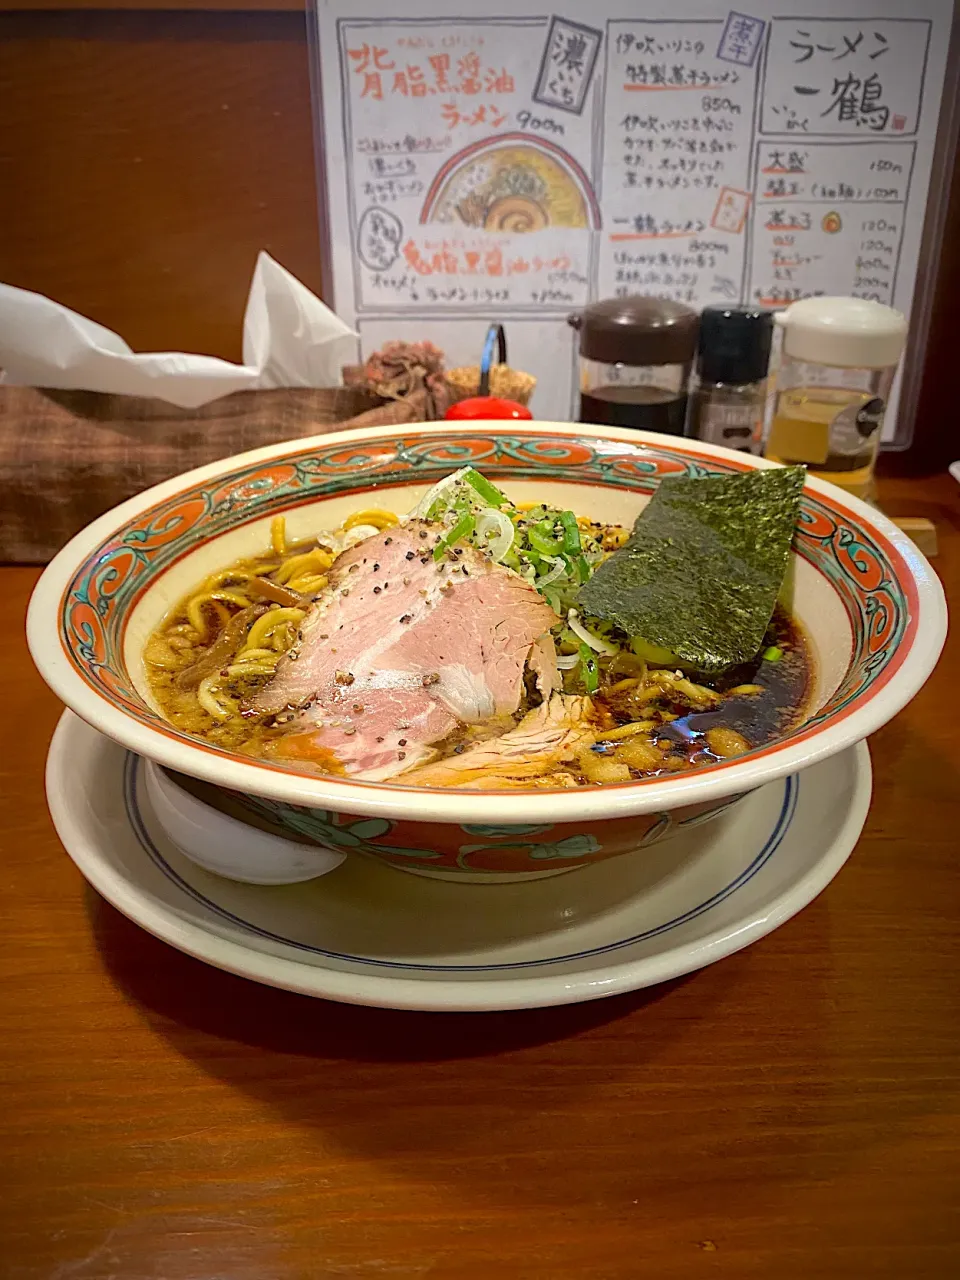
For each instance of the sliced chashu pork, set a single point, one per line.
(543, 663)
(532, 754)
(399, 649)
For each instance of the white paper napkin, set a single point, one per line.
(290, 339)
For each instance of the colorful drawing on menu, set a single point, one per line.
(566, 68)
(511, 183)
(731, 210)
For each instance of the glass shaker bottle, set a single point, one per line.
(837, 363)
(728, 394)
(635, 357)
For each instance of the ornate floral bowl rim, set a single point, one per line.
(889, 688)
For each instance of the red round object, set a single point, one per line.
(486, 407)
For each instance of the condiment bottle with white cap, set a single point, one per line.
(837, 363)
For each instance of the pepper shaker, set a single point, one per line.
(729, 390)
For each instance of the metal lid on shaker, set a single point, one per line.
(734, 344)
(637, 330)
(848, 333)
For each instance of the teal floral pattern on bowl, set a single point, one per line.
(333, 830)
(504, 848)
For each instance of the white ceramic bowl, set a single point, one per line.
(870, 604)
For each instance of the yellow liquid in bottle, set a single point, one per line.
(800, 432)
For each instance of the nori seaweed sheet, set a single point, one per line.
(703, 567)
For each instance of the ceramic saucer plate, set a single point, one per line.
(368, 934)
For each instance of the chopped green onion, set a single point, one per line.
(588, 665)
(571, 532)
(548, 548)
(487, 491)
(462, 529)
(544, 540)
(773, 654)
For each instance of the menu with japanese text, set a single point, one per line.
(519, 166)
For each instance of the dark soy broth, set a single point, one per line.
(643, 408)
(759, 718)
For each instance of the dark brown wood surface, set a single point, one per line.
(147, 157)
(793, 1111)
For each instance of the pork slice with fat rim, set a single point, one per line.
(399, 649)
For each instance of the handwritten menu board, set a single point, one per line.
(518, 166)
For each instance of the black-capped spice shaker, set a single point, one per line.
(729, 388)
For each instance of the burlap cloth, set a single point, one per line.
(68, 456)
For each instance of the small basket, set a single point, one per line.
(489, 379)
(510, 384)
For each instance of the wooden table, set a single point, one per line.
(793, 1111)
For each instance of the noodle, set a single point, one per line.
(257, 655)
(246, 667)
(293, 566)
(210, 704)
(236, 576)
(266, 626)
(310, 584)
(377, 516)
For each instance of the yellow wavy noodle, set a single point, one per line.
(248, 669)
(215, 600)
(278, 535)
(265, 626)
(235, 576)
(377, 516)
(256, 655)
(214, 702)
(310, 562)
(310, 584)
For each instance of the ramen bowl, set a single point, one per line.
(871, 607)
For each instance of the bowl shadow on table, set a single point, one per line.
(192, 1000)
(401, 1088)
(715, 1064)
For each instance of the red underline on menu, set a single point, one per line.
(775, 302)
(777, 169)
(651, 235)
(659, 88)
(784, 226)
